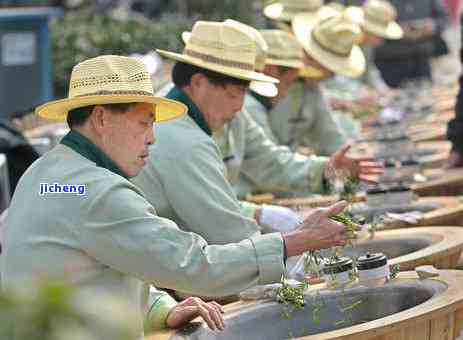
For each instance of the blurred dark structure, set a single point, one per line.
(455, 126)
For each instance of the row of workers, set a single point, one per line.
(161, 207)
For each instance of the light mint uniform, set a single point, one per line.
(346, 88)
(302, 119)
(256, 164)
(112, 241)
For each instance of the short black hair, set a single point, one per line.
(79, 116)
(183, 72)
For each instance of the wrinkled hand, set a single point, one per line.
(276, 218)
(318, 231)
(364, 168)
(193, 307)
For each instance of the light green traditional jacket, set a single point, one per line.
(185, 179)
(302, 119)
(256, 164)
(111, 241)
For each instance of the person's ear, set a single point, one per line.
(99, 119)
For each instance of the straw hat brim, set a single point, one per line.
(352, 65)
(285, 63)
(310, 72)
(164, 109)
(263, 88)
(392, 31)
(276, 11)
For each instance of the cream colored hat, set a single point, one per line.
(263, 88)
(110, 79)
(331, 39)
(285, 10)
(223, 48)
(283, 49)
(377, 17)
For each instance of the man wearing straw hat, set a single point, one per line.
(377, 20)
(250, 172)
(76, 219)
(302, 118)
(330, 40)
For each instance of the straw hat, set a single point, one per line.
(223, 48)
(265, 89)
(285, 10)
(283, 49)
(331, 39)
(377, 17)
(110, 79)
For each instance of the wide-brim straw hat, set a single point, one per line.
(265, 89)
(377, 17)
(110, 79)
(330, 38)
(223, 48)
(286, 10)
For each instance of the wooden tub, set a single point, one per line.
(412, 247)
(435, 312)
(450, 212)
(448, 182)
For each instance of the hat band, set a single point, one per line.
(121, 92)
(281, 57)
(300, 9)
(219, 61)
(376, 20)
(326, 49)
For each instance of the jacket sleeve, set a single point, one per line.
(277, 168)
(120, 229)
(160, 304)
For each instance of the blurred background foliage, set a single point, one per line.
(89, 30)
(53, 312)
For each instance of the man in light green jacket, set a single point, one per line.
(302, 119)
(247, 170)
(186, 176)
(377, 20)
(76, 219)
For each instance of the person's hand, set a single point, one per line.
(192, 307)
(455, 160)
(364, 168)
(276, 218)
(317, 231)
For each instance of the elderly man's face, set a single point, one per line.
(218, 103)
(127, 136)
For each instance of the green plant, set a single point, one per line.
(54, 312)
(81, 35)
(291, 296)
(394, 271)
(351, 186)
